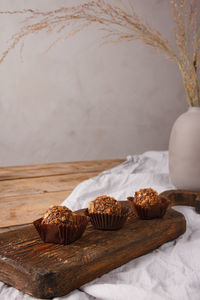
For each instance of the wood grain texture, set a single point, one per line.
(25, 209)
(20, 187)
(62, 168)
(183, 197)
(49, 270)
(27, 191)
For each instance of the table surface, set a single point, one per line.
(27, 191)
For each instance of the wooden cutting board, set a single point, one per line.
(50, 270)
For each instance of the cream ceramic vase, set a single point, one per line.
(184, 151)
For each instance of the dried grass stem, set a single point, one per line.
(122, 23)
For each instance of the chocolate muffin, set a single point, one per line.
(148, 204)
(60, 225)
(106, 213)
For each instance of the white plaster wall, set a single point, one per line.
(81, 101)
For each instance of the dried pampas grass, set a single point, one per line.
(121, 22)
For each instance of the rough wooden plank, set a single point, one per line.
(25, 209)
(49, 270)
(23, 200)
(183, 197)
(30, 186)
(27, 191)
(12, 228)
(17, 172)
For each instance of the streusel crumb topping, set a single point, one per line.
(147, 197)
(58, 214)
(105, 205)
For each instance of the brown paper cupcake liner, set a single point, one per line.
(107, 221)
(61, 233)
(154, 211)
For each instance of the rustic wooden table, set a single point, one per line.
(27, 191)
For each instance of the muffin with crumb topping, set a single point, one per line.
(60, 225)
(106, 213)
(148, 204)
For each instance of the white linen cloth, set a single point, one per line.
(171, 272)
